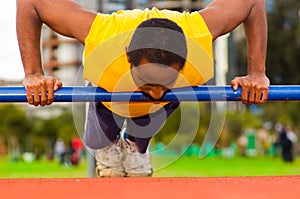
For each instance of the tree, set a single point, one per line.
(57, 127)
(14, 123)
(284, 42)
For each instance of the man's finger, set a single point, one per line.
(43, 88)
(258, 96)
(36, 95)
(50, 89)
(251, 96)
(234, 84)
(264, 96)
(245, 95)
(57, 85)
(29, 95)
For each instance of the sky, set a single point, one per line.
(11, 68)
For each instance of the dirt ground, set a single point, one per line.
(145, 188)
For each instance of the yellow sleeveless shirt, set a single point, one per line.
(106, 65)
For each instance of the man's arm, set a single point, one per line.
(63, 16)
(222, 16)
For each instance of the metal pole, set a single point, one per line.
(197, 93)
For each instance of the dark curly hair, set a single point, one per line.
(160, 41)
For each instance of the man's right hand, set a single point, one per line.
(40, 89)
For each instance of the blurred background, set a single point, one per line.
(46, 142)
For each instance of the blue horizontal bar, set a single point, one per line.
(197, 93)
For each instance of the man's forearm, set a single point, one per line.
(256, 34)
(28, 33)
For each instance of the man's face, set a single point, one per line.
(154, 79)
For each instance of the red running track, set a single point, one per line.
(287, 187)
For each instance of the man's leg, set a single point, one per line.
(139, 132)
(143, 128)
(102, 127)
(102, 132)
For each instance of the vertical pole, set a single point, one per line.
(221, 57)
(90, 155)
(98, 6)
(91, 163)
(221, 61)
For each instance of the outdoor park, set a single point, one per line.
(239, 156)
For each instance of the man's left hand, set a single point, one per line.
(254, 88)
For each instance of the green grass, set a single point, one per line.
(239, 166)
(183, 167)
(40, 169)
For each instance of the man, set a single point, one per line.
(98, 32)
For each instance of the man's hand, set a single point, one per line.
(254, 88)
(40, 89)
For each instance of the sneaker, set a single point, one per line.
(136, 164)
(109, 161)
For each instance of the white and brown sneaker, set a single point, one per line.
(136, 164)
(109, 161)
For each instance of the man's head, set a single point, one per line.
(158, 40)
(157, 52)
